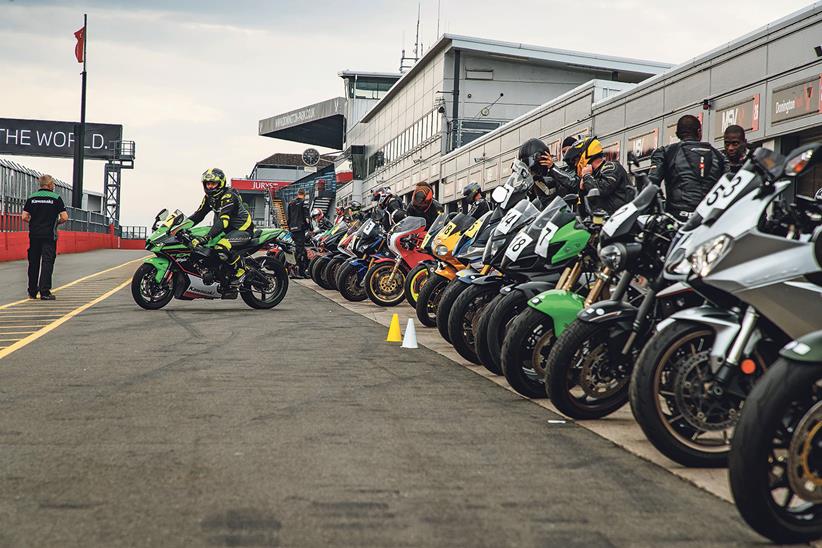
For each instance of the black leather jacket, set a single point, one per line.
(478, 208)
(229, 210)
(612, 181)
(298, 216)
(563, 180)
(690, 169)
(433, 211)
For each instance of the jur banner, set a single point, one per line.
(55, 139)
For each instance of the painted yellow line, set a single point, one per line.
(78, 280)
(57, 323)
(16, 332)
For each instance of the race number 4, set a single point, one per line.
(508, 221)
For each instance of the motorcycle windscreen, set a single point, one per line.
(438, 224)
(524, 244)
(623, 220)
(409, 224)
(516, 218)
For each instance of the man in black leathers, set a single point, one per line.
(423, 204)
(596, 172)
(298, 223)
(475, 205)
(387, 203)
(690, 168)
(736, 147)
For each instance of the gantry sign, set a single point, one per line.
(56, 139)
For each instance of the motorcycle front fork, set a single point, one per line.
(732, 359)
(643, 314)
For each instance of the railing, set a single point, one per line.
(133, 232)
(81, 220)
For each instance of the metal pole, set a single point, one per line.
(80, 136)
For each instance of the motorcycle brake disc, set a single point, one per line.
(699, 408)
(597, 378)
(804, 456)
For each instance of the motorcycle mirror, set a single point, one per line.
(803, 158)
(499, 194)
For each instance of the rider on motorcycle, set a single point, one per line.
(318, 221)
(231, 218)
(388, 203)
(423, 204)
(549, 180)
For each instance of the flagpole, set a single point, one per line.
(80, 133)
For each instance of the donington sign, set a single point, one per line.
(55, 139)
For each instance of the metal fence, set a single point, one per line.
(17, 183)
(133, 232)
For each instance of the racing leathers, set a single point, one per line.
(232, 219)
(432, 212)
(690, 169)
(611, 179)
(478, 208)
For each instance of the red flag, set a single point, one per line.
(80, 48)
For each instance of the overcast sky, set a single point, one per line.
(189, 80)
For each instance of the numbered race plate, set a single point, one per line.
(619, 216)
(544, 239)
(368, 227)
(449, 228)
(724, 192)
(518, 244)
(508, 221)
(472, 230)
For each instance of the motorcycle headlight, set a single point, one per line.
(705, 257)
(613, 256)
(441, 250)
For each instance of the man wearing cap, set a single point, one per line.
(44, 210)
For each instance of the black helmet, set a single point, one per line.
(355, 206)
(471, 190)
(530, 153)
(214, 175)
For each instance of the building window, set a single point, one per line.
(364, 88)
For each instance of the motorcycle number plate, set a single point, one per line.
(472, 230)
(724, 192)
(449, 228)
(545, 239)
(519, 243)
(508, 221)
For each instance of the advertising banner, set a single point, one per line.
(56, 139)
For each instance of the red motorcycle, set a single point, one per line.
(385, 280)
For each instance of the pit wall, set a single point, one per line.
(14, 245)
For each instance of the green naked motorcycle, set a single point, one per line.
(180, 270)
(530, 336)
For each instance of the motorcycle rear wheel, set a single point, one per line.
(381, 290)
(348, 284)
(414, 282)
(144, 281)
(429, 300)
(272, 295)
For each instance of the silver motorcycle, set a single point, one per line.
(749, 252)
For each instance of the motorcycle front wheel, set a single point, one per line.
(414, 282)
(348, 283)
(464, 317)
(449, 295)
(529, 334)
(493, 327)
(586, 375)
(318, 271)
(669, 402)
(429, 299)
(259, 296)
(383, 288)
(774, 466)
(332, 269)
(146, 291)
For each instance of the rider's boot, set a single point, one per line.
(237, 277)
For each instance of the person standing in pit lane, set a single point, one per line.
(44, 210)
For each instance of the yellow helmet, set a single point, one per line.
(214, 175)
(581, 154)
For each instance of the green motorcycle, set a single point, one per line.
(531, 334)
(186, 272)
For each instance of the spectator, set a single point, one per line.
(44, 210)
(690, 168)
(299, 223)
(736, 147)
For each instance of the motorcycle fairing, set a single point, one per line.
(806, 349)
(560, 305)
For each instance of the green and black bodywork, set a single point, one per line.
(180, 270)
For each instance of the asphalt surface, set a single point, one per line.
(211, 424)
